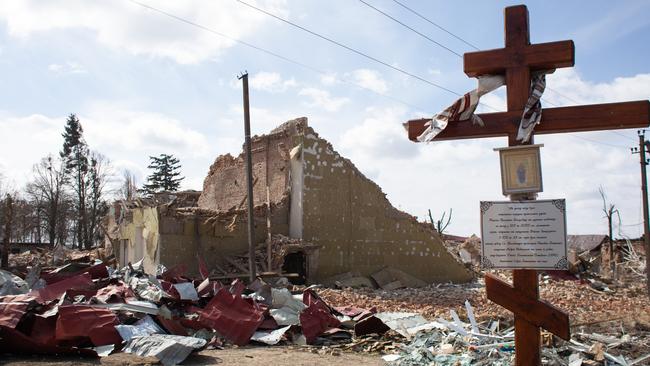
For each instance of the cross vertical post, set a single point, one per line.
(517, 36)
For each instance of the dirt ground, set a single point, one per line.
(254, 356)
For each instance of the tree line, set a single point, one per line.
(69, 193)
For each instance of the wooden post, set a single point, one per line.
(269, 236)
(249, 180)
(644, 189)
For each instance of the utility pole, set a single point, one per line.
(249, 178)
(644, 147)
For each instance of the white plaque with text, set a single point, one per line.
(523, 235)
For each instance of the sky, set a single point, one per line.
(145, 83)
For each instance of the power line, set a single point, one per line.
(350, 48)
(271, 53)
(436, 25)
(623, 135)
(597, 142)
(412, 29)
(564, 96)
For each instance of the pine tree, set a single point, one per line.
(165, 176)
(75, 153)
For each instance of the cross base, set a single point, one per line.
(531, 313)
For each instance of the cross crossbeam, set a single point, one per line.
(595, 117)
(537, 312)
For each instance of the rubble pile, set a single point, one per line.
(53, 257)
(86, 307)
(92, 309)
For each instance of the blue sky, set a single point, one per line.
(144, 83)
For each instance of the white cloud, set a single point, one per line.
(370, 79)
(570, 84)
(321, 98)
(271, 82)
(127, 26)
(379, 135)
(329, 79)
(67, 68)
(108, 126)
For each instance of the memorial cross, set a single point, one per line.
(517, 61)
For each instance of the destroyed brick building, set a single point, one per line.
(326, 218)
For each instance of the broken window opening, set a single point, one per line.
(296, 263)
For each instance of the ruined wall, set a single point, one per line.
(138, 237)
(225, 186)
(357, 227)
(214, 235)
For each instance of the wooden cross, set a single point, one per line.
(516, 61)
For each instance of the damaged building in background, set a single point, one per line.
(322, 216)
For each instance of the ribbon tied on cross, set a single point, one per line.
(464, 107)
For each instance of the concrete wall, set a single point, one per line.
(357, 227)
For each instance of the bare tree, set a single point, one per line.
(4, 257)
(610, 210)
(440, 225)
(100, 172)
(47, 192)
(129, 189)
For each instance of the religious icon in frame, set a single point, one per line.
(521, 169)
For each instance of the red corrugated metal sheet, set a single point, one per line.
(43, 330)
(174, 272)
(114, 293)
(97, 271)
(316, 318)
(76, 321)
(11, 313)
(232, 316)
(54, 291)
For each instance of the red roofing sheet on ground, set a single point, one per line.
(55, 290)
(97, 271)
(76, 321)
(317, 317)
(232, 316)
(11, 313)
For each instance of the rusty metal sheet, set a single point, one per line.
(54, 291)
(233, 317)
(76, 321)
(96, 271)
(317, 317)
(114, 293)
(11, 313)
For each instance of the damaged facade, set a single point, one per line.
(326, 218)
